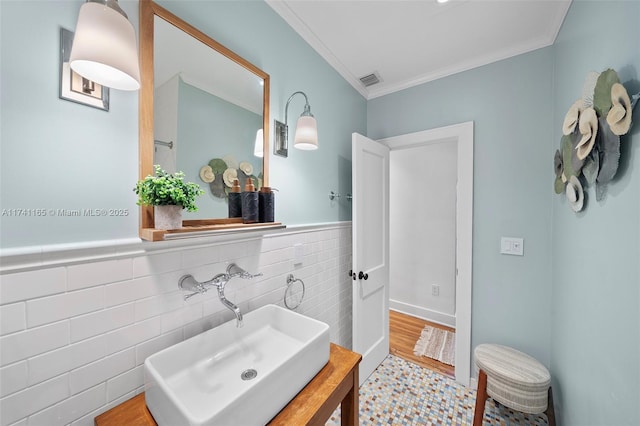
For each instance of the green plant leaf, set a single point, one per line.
(602, 92)
(167, 189)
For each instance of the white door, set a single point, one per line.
(370, 252)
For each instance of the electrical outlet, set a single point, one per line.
(298, 253)
(435, 290)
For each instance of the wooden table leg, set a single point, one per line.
(350, 405)
(481, 398)
(551, 414)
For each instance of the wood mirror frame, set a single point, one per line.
(148, 10)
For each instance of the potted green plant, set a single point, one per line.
(169, 194)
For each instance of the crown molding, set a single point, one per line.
(285, 12)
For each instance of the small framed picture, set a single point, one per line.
(74, 87)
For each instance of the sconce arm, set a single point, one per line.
(307, 108)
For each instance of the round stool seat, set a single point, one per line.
(514, 379)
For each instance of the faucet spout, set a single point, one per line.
(231, 306)
(219, 281)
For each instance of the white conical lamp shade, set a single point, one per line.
(306, 137)
(104, 48)
(258, 149)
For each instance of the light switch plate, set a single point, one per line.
(298, 253)
(512, 246)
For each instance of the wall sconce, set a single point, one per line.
(306, 136)
(104, 47)
(258, 148)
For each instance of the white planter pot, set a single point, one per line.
(167, 217)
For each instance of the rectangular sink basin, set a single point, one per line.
(236, 376)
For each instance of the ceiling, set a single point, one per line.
(410, 42)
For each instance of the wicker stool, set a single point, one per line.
(514, 379)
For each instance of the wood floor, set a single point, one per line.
(404, 332)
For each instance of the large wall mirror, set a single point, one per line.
(200, 105)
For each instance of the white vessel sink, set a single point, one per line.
(199, 381)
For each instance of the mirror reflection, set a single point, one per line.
(208, 117)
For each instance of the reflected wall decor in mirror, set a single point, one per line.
(204, 111)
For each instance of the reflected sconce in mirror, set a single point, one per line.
(306, 136)
(104, 47)
(258, 148)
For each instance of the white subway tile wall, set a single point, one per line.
(74, 337)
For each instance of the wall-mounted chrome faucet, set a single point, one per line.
(189, 283)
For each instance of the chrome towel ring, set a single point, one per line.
(294, 293)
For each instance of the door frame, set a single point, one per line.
(461, 133)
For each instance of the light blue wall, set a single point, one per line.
(210, 127)
(573, 300)
(509, 102)
(595, 350)
(57, 154)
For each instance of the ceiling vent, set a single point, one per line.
(370, 80)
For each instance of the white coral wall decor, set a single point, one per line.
(220, 173)
(590, 146)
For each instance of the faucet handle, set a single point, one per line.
(188, 296)
(248, 276)
(189, 283)
(234, 270)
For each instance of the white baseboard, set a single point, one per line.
(473, 383)
(424, 313)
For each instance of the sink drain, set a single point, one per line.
(249, 374)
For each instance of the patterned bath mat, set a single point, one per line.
(401, 393)
(437, 344)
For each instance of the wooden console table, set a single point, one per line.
(337, 383)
